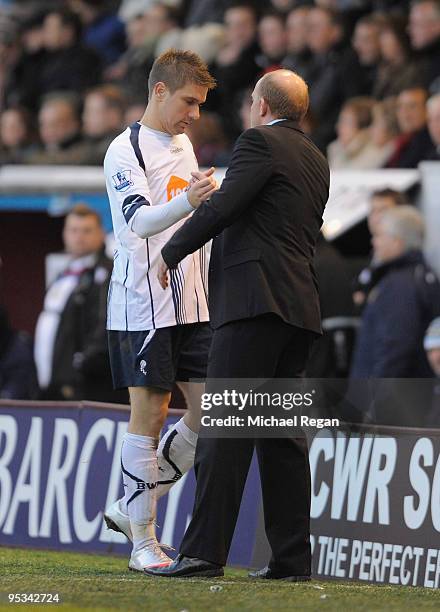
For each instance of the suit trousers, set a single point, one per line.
(261, 347)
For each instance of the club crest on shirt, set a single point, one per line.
(122, 180)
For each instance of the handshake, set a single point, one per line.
(201, 187)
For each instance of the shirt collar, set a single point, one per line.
(275, 121)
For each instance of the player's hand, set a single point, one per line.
(162, 273)
(198, 176)
(203, 187)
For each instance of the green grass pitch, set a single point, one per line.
(103, 583)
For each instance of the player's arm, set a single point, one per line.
(149, 221)
(127, 181)
(248, 172)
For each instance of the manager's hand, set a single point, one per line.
(162, 273)
(201, 187)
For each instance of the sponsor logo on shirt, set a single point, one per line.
(176, 150)
(175, 186)
(122, 180)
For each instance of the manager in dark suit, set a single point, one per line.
(265, 220)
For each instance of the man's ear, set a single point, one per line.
(264, 107)
(160, 90)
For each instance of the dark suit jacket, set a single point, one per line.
(265, 219)
(418, 148)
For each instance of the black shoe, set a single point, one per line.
(187, 567)
(269, 574)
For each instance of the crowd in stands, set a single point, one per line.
(73, 73)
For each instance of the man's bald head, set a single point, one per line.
(280, 94)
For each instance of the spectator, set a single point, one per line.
(17, 369)
(22, 88)
(128, 9)
(327, 79)
(353, 148)
(240, 40)
(403, 299)
(273, 41)
(431, 345)
(144, 33)
(130, 69)
(203, 30)
(9, 56)
(384, 130)
(424, 31)
(16, 136)
(414, 144)
(102, 30)
(67, 64)
(163, 27)
(60, 131)
(201, 12)
(381, 200)
(235, 68)
(298, 55)
(397, 70)
(103, 118)
(433, 109)
(70, 338)
(366, 43)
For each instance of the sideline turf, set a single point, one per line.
(103, 583)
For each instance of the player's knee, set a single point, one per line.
(148, 409)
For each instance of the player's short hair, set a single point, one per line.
(282, 103)
(177, 68)
(84, 210)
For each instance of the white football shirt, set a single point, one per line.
(144, 167)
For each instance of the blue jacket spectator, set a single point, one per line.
(404, 297)
(103, 31)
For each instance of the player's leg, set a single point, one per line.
(177, 446)
(139, 461)
(141, 361)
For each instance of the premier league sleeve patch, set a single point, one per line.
(122, 180)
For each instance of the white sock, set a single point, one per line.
(139, 473)
(175, 455)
